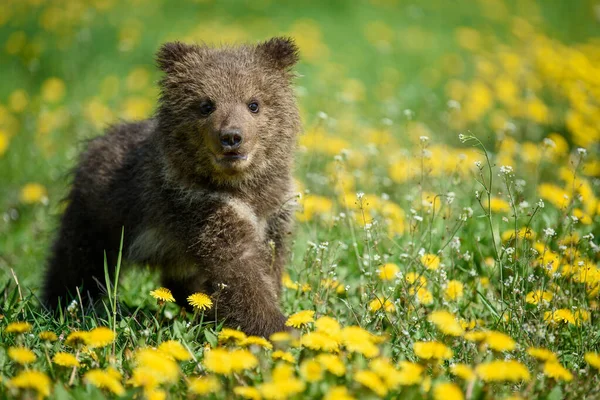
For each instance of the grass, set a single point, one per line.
(457, 256)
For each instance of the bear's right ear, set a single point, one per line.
(279, 52)
(171, 53)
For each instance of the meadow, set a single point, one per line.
(446, 244)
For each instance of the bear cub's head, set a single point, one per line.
(228, 114)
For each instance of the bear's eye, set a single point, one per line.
(206, 108)
(253, 107)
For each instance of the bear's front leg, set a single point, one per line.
(236, 261)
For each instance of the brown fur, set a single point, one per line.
(211, 220)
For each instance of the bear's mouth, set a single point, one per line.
(233, 156)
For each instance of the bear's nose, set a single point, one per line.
(231, 138)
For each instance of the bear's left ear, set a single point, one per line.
(279, 52)
(172, 53)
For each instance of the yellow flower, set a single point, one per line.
(377, 304)
(313, 206)
(77, 338)
(499, 371)
(387, 272)
(558, 316)
(430, 261)
(328, 326)
(554, 194)
(358, 340)
(33, 193)
(104, 380)
(35, 380)
(338, 393)
(227, 334)
(280, 337)
(200, 301)
(319, 341)
(432, 350)
(538, 295)
(204, 385)
(446, 322)
(18, 327)
(163, 294)
(65, 360)
(413, 277)
(311, 371)
(475, 336)
(463, 371)
(447, 391)
(410, 373)
(53, 90)
(424, 296)
(100, 337)
(593, 359)
(283, 355)
(18, 100)
(454, 290)
(222, 361)
(48, 336)
(541, 354)
(175, 349)
(247, 392)
(4, 142)
(300, 319)
(554, 370)
(332, 363)
(499, 341)
(372, 381)
(498, 205)
(256, 341)
(21, 355)
(154, 365)
(284, 384)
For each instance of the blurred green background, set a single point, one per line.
(407, 69)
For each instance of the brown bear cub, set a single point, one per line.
(203, 189)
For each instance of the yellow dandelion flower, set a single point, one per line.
(386, 371)
(284, 383)
(53, 90)
(145, 377)
(500, 371)
(498, 205)
(204, 385)
(378, 304)
(387, 272)
(283, 356)
(593, 359)
(499, 341)
(415, 278)
(104, 380)
(328, 325)
(463, 371)
(200, 301)
(155, 362)
(243, 360)
(280, 337)
(100, 337)
(256, 341)
(537, 296)
(371, 380)
(300, 319)
(338, 393)
(311, 371)
(224, 362)
(21, 355)
(424, 296)
(332, 363)
(163, 294)
(77, 338)
(48, 336)
(33, 193)
(410, 373)
(65, 360)
(18, 327)
(4, 142)
(447, 391)
(432, 350)
(554, 370)
(175, 349)
(475, 336)
(541, 354)
(358, 340)
(319, 341)
(34, 380)
(247, 392)
(154, 394)
(446, 322)
(234, 335)
(454, 290)
(430, 261)
(558, 316)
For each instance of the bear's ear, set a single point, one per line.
(279, 52)
(171, 53)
